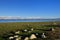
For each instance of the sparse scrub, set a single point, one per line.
(39, 27)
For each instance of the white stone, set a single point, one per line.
(11, 37)
(25, 30)
(52, 29)
(16, 36)
(33, 36)
(26, 38)
(43, 36)
(32, 29)
(17, 32)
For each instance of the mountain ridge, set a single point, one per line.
(10, 17)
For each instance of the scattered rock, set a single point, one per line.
(32, 29)
(11, 37)
(25, 30)
(43, 35)
(26, 38)
(17, 32)
(16, 36)
(33, 36)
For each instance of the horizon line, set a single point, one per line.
(18, 17)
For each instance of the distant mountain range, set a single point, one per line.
(28, 19)
(10, 17)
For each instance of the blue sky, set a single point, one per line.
(30, 8)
